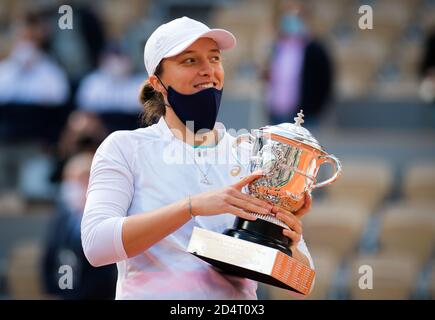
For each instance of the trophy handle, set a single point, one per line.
(331, 159)
(246, 137)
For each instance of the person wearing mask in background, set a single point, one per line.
(63, 246)
(299, 74)
(34, 91)
(83, 132)
(29, 75)
(110, 91)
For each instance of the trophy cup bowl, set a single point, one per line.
(290, 158)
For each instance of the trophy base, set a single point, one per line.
(245, 273)
(256, 231)
(251, 260)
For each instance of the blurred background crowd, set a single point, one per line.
(368, 96)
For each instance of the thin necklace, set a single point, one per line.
(205, 179)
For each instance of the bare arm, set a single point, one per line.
(139, 232)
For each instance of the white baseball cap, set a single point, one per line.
(174, 37)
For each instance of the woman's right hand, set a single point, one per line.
(230, 199)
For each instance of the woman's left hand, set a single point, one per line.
(292, 220)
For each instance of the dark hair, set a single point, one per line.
(152, 100)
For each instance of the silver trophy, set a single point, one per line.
(290, 158)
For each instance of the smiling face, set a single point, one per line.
(198, 67)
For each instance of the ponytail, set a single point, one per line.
(152, 101)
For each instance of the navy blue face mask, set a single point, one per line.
(201, 108)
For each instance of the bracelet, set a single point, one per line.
(190, 208)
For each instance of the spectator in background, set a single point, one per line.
(86, 40)
(33, 87)
(63, 245)
(83, 132)
(33, 93)
(110, 91)
(299, 75)
(28, 75)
